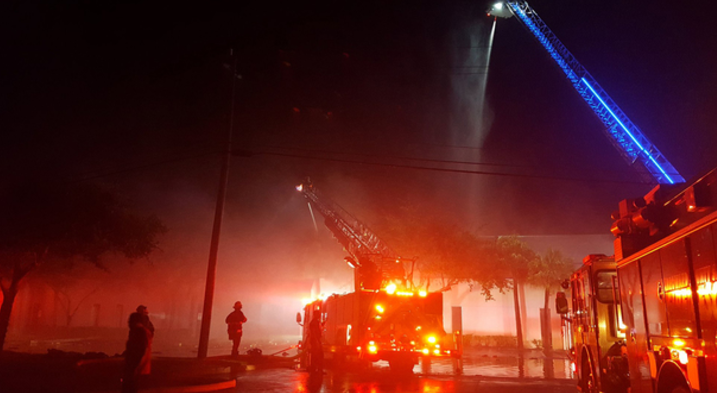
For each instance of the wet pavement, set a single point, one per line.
(482, 373)
(378, 380)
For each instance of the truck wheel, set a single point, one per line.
(587, 380)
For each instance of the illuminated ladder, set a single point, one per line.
(355, 236)
(623, 133)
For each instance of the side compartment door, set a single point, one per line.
(631, 295)
(704, 258)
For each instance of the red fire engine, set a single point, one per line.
(666, 265)
(595, 331)
(385, 318)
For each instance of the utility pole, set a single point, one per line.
(217, 228)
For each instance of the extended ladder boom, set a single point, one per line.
(622, 132)
(368, 251)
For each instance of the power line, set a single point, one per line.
(249, 153)
(419, 159)
(435, 169)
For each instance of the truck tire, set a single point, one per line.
(587, 379)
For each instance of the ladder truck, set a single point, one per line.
(658, 292)
(385, 317)
(625, 136)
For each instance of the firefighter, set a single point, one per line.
(234, 321)
(141, 309)
(316, 352)
(618, 372)
(137, 353)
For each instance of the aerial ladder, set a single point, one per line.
(375, 263)
(625, 136)
(384, 318)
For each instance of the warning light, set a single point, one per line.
(425, 351)
(682, 357)
(422, 293)
(431, 339)
(391, 288)
(380, 309)
(372, 348)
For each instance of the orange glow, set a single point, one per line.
(418, 328)
(372, 348)
(391, 288)
(380, 309)
(425, 351)
(431, 339)
(402, 293)
(682, 292)
(437, 351)
(678, 343)
(378, 317)
(422, 293)
(707, 288)
(682, 357)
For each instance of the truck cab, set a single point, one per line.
(596, 328)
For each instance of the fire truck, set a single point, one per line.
(665, 249)
(385, 317)
(594, 330)
(654, 304)
(659, 291)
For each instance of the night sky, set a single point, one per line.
(377, 101)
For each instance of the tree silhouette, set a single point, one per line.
(444, 253)
(548, 271)
(51, 224)
(514, 259)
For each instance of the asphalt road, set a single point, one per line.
(381, 381)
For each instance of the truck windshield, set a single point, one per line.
(603, 282)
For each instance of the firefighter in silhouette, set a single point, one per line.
(234, 321)
(316, 351)
(137, 353)
(618, 372)
(145, 319)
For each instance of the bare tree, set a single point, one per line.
(50, 224)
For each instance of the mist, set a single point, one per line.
(381, 116)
